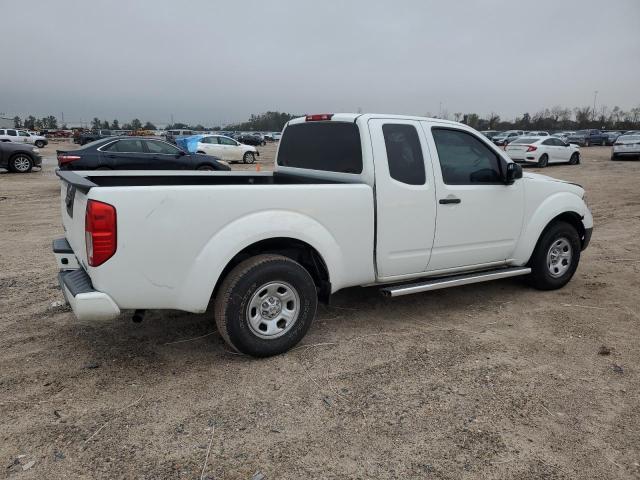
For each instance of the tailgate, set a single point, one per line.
(74, 190)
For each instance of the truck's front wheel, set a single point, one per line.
(556, 257)
(265, 305)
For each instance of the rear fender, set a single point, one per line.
(231, 239)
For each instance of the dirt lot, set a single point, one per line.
(488, 381)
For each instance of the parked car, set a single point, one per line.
(173, 135)
(563, 135)
(251, 139)
(277, 136)
(536, 133)
(19, 157)
(626, 146)
(22, 136)
(504, 138)
(227, 149)
(135, 153)
(611, 136)
(490, 133)
(333, 215)
(542, 151)
(586, 138)
(92, 136)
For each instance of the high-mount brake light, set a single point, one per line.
(100, 232)
(317, 117)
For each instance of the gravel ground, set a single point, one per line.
(487, 381)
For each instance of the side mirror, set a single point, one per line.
(513, 172)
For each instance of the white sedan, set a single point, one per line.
(227, 149)
(542, 151)
(626, 146)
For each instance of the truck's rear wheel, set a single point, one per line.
(556, 257)
(265, 305)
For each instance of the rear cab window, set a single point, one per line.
(328, 146)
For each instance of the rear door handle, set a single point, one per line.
(446, 201)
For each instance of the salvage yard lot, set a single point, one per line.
(494, 380)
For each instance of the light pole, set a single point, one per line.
(595, 95)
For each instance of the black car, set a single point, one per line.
(135, 153)
(250, 139)
(19, 157)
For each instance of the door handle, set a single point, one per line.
(446, 201)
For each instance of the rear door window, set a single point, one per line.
(128, 146)
(404, 154)
(157, 147)
(327, 146)
(12, 133)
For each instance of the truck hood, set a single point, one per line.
(564, 185)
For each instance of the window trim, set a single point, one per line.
(488, 145)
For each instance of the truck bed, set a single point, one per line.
(84, 181)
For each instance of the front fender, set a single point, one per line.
(234, 237)
(550, 208)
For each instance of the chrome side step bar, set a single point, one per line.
(453, 281)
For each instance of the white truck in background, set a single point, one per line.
(410, 204)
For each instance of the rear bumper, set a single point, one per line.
(86, 302)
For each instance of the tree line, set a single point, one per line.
(555, 118)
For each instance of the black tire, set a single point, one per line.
(543, 161)
(207, 168)
(545, 276)
(20, 163)
(575, 159)
(244, 284)
(613, 157)
(249, 157)
(39, 143)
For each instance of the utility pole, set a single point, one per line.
(595, 95)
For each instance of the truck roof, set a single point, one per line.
(351, 117)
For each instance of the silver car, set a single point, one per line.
(626, 146)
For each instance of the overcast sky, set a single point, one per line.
(219, 61)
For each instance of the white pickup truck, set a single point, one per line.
(410, 204)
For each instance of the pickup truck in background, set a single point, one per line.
(409, 204)
(16, 135)
(586, 138)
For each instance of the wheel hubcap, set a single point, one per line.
(273, 310)
(559, 257)
(21, 164)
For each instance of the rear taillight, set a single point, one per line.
(63, 158)
(532, 148)
(318, 117)
(100, 232)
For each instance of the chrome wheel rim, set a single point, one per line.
(559, 257)
(273, 310)
(21, 164)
